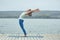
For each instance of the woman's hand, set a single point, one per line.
(36, 10)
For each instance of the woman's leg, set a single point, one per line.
(22, 26)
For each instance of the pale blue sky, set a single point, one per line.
(17, 5)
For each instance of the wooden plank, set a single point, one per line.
(31, 37)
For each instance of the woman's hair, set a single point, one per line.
(28, 10)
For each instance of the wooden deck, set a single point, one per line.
(30, 37)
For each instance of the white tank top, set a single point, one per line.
(23, 15)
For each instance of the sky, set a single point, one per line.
(19, 5)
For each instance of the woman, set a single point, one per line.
(27, 13)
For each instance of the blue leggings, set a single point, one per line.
(22, 26)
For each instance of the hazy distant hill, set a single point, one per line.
(42, 14)
(9, 14)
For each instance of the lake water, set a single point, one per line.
(43, 26)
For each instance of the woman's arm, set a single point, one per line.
(36, 10)
(30, 12)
